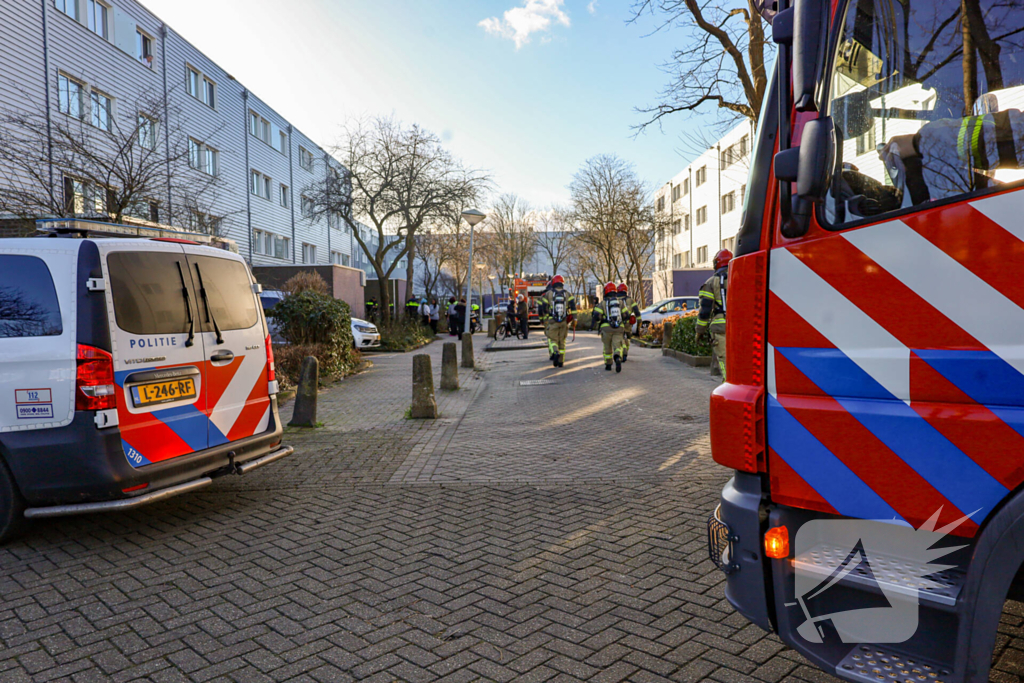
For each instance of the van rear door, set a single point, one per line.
(231, 320)
(159, 357)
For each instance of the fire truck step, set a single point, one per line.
(882, 663)
(893, 575)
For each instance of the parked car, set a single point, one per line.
(364, 334)
(133, 370)
(666, 308)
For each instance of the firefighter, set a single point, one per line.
(412, 308)
(629, 308)
(611, 322)
(711, 317)
(556, 310)
(371, 308)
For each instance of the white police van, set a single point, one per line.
(130, 370)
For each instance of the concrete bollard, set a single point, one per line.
(467, 351)
(666, 335)
(304, 414)
(423, 403)
(492, 328)
(449, 367)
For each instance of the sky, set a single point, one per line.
(526, 90)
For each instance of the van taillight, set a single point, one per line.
(94, 385)
(271, 374)
(737, 405)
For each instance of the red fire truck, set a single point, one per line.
(532, 286)
(875, 375)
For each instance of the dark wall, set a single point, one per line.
(345, 283)
(688, 282)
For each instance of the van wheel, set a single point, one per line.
(12, 505)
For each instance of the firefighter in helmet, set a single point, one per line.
(630, 308)
(711, 317)
(556, 309)
(611, 320)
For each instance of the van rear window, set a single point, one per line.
(230, 291)
(28, 299)
(146, 289)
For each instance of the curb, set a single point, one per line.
(695, 361)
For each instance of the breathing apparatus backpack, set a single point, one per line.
(558, 306)
(614, 307)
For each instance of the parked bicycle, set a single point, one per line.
(508, 329)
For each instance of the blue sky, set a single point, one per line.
(527, 95)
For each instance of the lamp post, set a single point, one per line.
(472, 217)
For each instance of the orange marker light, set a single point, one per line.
(776, 543)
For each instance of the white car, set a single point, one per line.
(666, 308)
(365, 334)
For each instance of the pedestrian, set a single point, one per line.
(629, 308)
(610, 321)
(435, 315)
(711, 317)
(412, 307)
(451, 317)
(424, 312)
(523, 311)
(371, 308)
(460, 316)
(556, 310)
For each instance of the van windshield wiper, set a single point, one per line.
(210, 317)
(188, 308)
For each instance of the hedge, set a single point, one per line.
(315, 325)
(684, 338)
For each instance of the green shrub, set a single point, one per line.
(403, 334)
(684, 338)
(316, 325)
(583, 319)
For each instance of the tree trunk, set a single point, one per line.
(410, 267)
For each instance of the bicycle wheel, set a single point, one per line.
(500, 334)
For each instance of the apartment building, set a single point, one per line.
(702, 204)
(95, 61)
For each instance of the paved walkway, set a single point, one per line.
(549, 527)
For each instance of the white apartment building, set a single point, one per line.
(703, 204)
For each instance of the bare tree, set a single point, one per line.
(722, 61)
(510, 234)
(397, 179)
(91, 161)
(555, 232)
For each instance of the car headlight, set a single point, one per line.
(366, 330)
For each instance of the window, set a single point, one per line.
(661, 203)
(305, 159)
(28, 299)
(101, 110)
(702, 254)
(686, 260)
(145, 210)
(340, 259)
(254, 124)
(729, 243)
(96, 16)
(267, 185)
(269, 244)
(283, 196)
(675, 193)
(69, 96)
(282, 142)
(82, 198)
(144, 48)
(308, 253)
(146, 289)
(702, 175)
(728, 201)
(68, 7)
(307, 207)
(686, 222)
(939, 114)
(677, 261)
(211, 159)
(203, 158)
(201, 87)
(192, 82)
(702, 215)
(677, 227)
(260, 184)
(209, 92)
(147, 132)
(686, 186)
(229, 291)
(744, 144)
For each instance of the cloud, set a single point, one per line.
(518, 23)
(592, 7)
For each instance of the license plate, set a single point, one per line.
(164, 392)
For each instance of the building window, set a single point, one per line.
(686, 186)
(702, 215)
(728, 201)
(686, 222)
(305, 159)
(211, 160)
(201, 87)
(283, 196)
(282, 142)
(69, 96)
(96, 15)
(677, 227)
(308, 253)
(307, 207)
(729, 243)
(686, 260)
(675, 193)
(101, 110)
(702, 254)
(81, 197)
(254, 124)
(203, 157)
(661, 203)
(147, 132)
(260, 184)
(866, 142)
(144, 48)
(267, 186)
(702, 177)
(340, 259)
(744, 143)
(677, 261)
(68, 7)
(192, 82)
(209, 93)
(269, 244)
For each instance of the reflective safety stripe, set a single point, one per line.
(961, 139)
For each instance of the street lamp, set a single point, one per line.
(472, 217)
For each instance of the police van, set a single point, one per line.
(131, 370)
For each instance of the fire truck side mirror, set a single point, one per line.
(817, 159)
(810, 24)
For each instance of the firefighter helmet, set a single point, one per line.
(609, 288)
(622, 288)
(722, 259)
(557, 280)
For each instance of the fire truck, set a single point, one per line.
(873, 408)
(532, 286)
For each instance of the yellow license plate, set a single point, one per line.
(164, 392)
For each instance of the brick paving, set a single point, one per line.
(537, 532)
